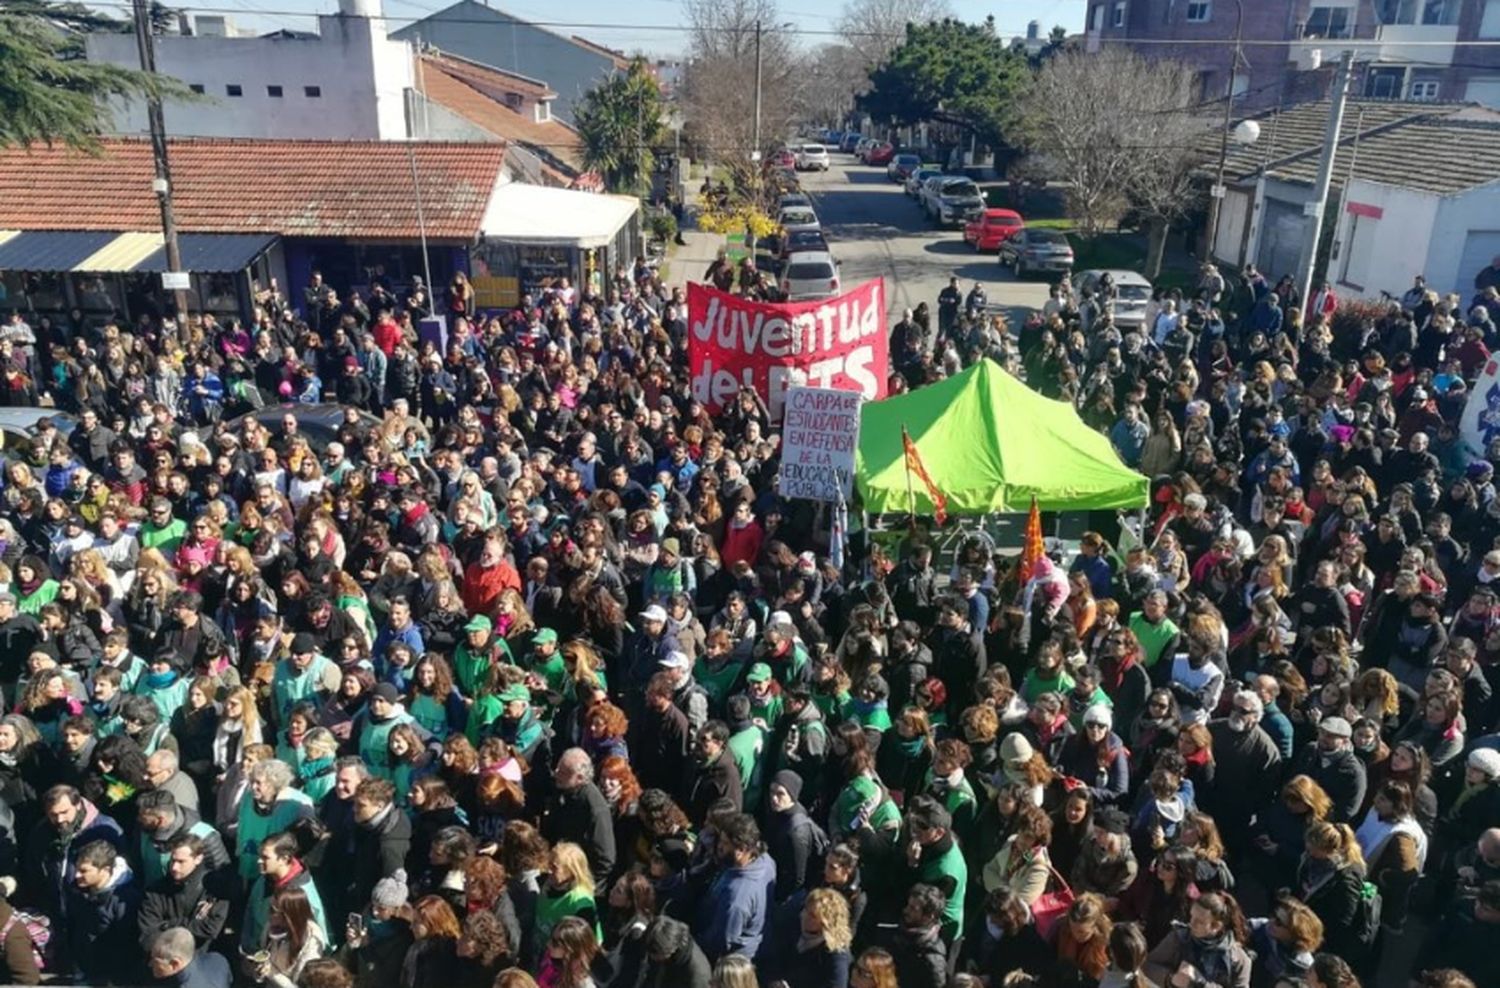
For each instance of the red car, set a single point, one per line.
(989, 228)
(783, 159)
(880, 154)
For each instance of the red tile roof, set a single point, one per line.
(359, 189)
(488, 78)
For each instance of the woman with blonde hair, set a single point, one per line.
(820, 958)
(1083, 941)
(566, 890)
(875, 968)
(737, 971)
(239, 727)
(1330, 880)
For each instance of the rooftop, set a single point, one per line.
(1443, 148)
(359, 189)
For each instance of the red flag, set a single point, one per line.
(914, 466)
(1032, 548)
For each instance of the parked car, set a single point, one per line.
(1033, 250)
(863, 147)
(19, 428)
(784, 158)
(988, 228)
(915, 181)
(809, 275)
(812, 157)
(902, 165)
(880, 154)
(794, 218)
(1132, 295)
(790, 199)
(949, 199)
(851, 140)
(802, 242)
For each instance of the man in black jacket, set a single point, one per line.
(578, 813)
(382, 838)
(19, 634)
(187, 896)
(918, 950)
(660, 738)
(1333, 765)
(713, 775)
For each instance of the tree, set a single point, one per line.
(718, 87)
(874, 28)
(949, 72)
(1121, 128)
(619, 121)
(50, 92)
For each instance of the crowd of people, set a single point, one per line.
(520, 673)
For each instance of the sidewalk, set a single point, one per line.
(688, 261)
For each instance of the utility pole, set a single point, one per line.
(1217, 192)
(162, 184)
(1315, 208)
(755, 150)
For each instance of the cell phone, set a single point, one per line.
(356, 924)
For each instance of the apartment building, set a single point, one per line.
(1408, 49)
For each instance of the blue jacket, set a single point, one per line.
(103, 929)
(208, 970)
(740, 901)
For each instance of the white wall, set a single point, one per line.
(1475, 212)
(1234, 214)
(362, 75)
(1387, 252)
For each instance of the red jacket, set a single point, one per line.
(741, 543)
(387, 334)
(483, 586)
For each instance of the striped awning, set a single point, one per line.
(102, 252)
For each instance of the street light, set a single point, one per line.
(1246, 133)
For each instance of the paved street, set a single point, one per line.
(875, 229)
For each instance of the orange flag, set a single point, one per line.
(1032, 548)
(914, 466)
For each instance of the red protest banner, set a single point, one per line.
(734, 343)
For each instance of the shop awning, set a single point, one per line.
(535, 214)
(212, 253)
(122, 253)
(51, 250)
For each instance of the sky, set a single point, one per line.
(612, 22)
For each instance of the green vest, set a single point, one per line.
(1153, 637)
(291, 806)
(950, 864)
(552, 909)
(258, 911)
(374, 744)
(168, 538)
(485, 711)
(718, 680)
(167, 699)
(746, 748)
(287, 688)
(1034, 686)
(154, 858)
(431, 714)
(316, 778)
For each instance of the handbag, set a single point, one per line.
(1050, 907)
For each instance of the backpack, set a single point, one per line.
(1367, 919)
(38, 931)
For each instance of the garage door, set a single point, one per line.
(1280, 239)
(1480, 247)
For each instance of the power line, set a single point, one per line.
(1336, 43)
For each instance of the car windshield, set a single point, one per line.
(798, 217)
(815, 149)
(1002, 221)
(1049, 237)
(963, 188)
(907, 159)
(809, 271)
(1134, 293)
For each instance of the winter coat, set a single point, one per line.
(169, 903)
(1223, 965)
(103, 928)
(791, 839)
(47, 868)
(737, 908)
(1341, 775)
(921, 959)
(581, 816)
(380, 849)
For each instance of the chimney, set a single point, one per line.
(1033, 30)
(360, 8)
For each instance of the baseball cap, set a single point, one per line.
(479, 623)
(515, 693)
(759, 673)
(654, 613)
(674, 660)
(544, 636)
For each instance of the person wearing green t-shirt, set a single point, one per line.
(546, 661)
(476, 654)
(160, 530)
(1157, 635)
(1047, 675)
(765, 699)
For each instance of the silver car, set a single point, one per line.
(950, 199)
(812, 157)
(1131, 297)
(810, 275)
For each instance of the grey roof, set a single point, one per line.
(1441, 148)
(218, 253)
(51, 250)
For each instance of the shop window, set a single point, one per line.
(97, 292)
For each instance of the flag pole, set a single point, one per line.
(911, 494)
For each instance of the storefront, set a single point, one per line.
(533, 237)
(104, 276)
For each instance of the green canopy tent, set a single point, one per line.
(989, 443)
